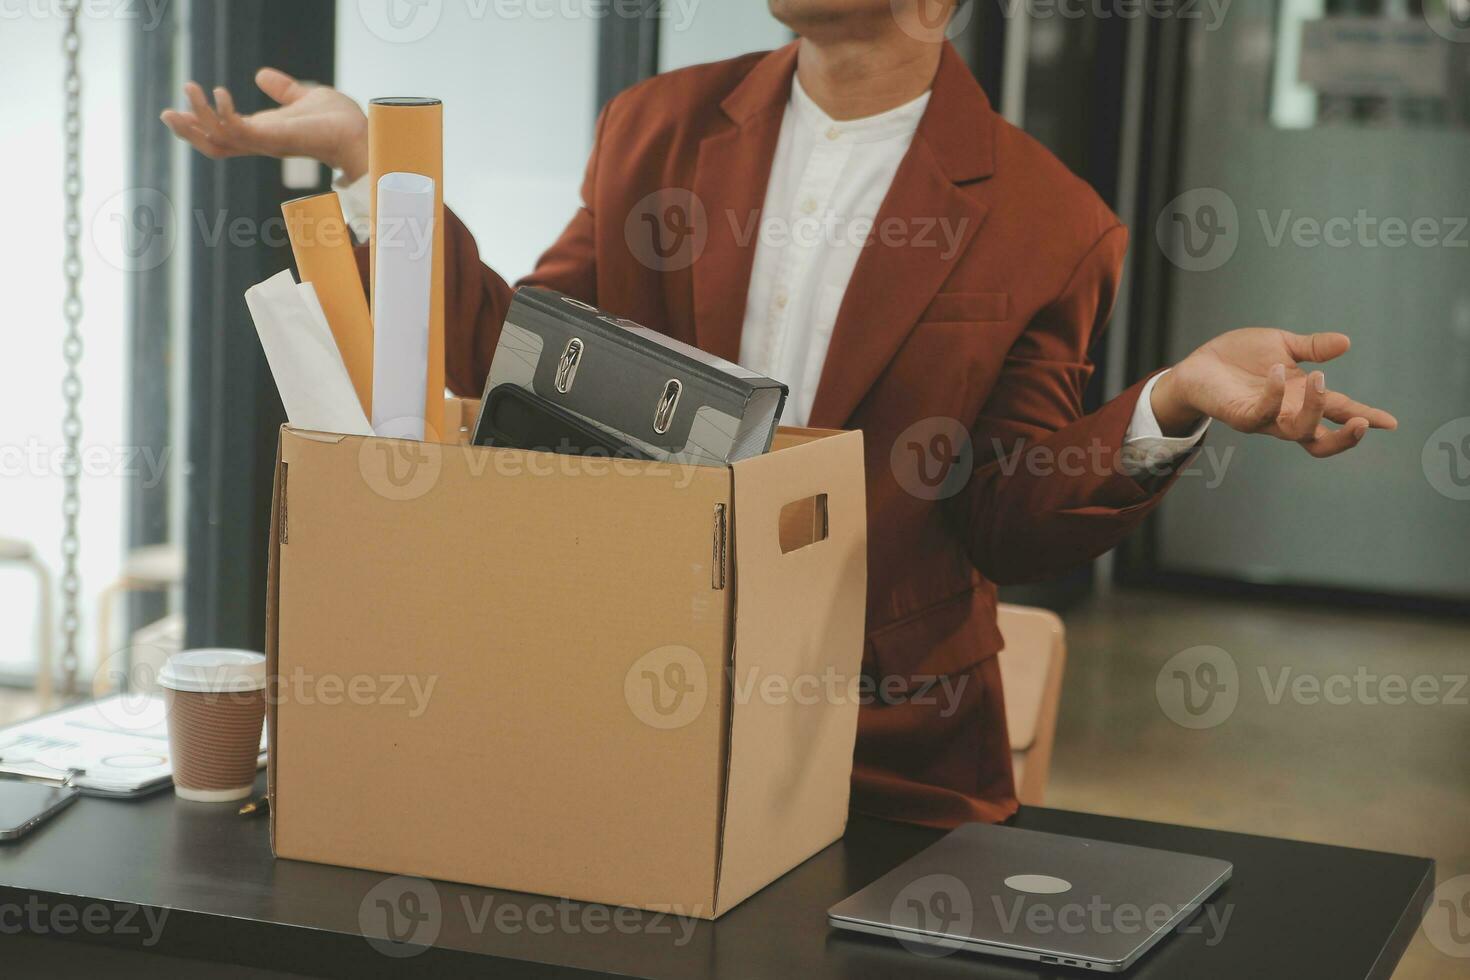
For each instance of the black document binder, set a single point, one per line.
(661, 397)
(515, 418)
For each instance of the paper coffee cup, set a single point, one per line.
(216, 706)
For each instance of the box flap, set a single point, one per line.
(792, 686)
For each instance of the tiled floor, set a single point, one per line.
(1356, 772)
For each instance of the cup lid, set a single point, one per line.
(214, 671)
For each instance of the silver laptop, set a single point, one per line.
(1034, 896)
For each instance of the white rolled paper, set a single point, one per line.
(402, 275)
(303, 357)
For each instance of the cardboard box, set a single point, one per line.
(617, 681)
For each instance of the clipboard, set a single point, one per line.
(115, 747)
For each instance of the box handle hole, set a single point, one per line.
(803, 522)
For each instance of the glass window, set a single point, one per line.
(518, 82)
(31, 369)
(694, 33)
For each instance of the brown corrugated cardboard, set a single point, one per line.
(616, 681)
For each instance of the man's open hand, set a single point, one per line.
(1250, 380)
(313, 121)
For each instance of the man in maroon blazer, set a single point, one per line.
(943, 296)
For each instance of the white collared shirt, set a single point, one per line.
(828, 180)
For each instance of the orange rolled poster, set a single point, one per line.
(322, 245)
(407, 135)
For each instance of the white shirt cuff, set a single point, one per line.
(357, 205)
(1145, 447)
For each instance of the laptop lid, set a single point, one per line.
(1037, 896)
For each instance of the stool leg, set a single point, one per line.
(46, 637)
(102, 680)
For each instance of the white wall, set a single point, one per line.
(697, 31)
(518, 83)
(1370, 519)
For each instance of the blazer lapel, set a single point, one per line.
(730, 178)
(897, 275)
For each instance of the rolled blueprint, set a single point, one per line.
(323, 248)
(403, 242)
(406, 135)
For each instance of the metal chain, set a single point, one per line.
(71, 350)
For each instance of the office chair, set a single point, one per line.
(1031, 664)
(22, 553)
(157, 567)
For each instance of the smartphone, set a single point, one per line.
(25, 806)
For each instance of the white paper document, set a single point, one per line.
(117, 746)
(303, 357)
(402, 274)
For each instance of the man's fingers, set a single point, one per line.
(1268, 406)
(1342, 409)
(280, 86)
(203, 112)
(174, 119)
(224, 103)
(1302, 425)
(187, 129)
(1330, 442)
(1316, 347)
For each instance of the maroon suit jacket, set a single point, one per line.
(988, 337)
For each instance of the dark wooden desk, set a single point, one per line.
(139, 889)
